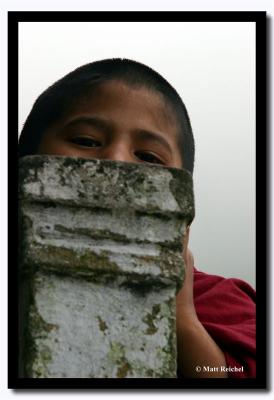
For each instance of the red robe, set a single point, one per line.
(227, 310)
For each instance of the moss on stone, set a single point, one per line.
(39, 367)
(172, 264)
(116, 352)
(123, 370)
(39, 328)
(170, 351)
(117, 356)
(36, 354)
(94, 233)
(149, 319)
(102, 325)
(65, 260)
(181, 186)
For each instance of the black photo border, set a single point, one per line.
(262, 144)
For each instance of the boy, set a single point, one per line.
(122, 110)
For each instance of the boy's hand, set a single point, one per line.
(195, 346)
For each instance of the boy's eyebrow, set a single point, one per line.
(107, 127)
(152, 136)
(93, 121)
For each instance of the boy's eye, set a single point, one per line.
(85, 141)
(148, 157)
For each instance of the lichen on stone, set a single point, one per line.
(102, 325)
(150, 318)
(117, 356)
(70, 260)
(37, 353)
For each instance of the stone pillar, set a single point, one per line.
(100, 265)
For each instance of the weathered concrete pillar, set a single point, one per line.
(100, 261)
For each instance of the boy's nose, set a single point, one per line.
(118, 152)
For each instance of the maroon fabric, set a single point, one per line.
(227, 310)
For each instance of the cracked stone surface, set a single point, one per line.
(101, 263)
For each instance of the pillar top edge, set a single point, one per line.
(111, 184)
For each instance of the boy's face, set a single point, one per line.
(117, 122)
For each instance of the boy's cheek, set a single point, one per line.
(56, 147)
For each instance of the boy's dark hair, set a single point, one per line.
(59, 97)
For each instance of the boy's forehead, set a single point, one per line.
(115, 93)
